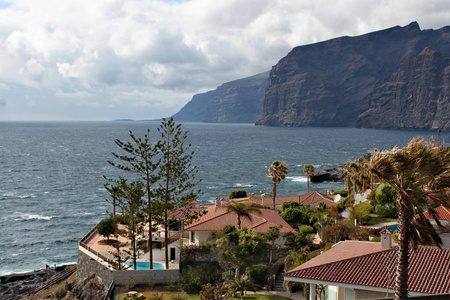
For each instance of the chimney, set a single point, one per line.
(386, 238)
(218, 202)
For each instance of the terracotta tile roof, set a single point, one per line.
(216, 218)
(442, 213)
(429, 268)
(310, 198)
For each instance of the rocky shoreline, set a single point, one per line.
(16, 284)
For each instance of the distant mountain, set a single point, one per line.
(393, 78)
(238, 101)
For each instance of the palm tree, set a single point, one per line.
(243, 210)
(419, 172)
(309, 171)
(240, 284)
(278, 171)
(320, 216)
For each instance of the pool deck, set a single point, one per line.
(94, 243)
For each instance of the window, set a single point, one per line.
(192, 237)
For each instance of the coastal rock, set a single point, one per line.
(238, 101)
(352, 81)
(334, 175)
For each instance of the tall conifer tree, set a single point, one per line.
(141, 157)
(177, 174)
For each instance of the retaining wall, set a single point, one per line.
(145, 277)
(88, 264)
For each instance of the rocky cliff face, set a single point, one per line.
(384, 79)
(416, 96)
(238, 101)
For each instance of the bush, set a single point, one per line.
(258, 273)
(376, 239)
(343, 193)
(236, 194)
(340, 231)
(293, 216)
(192, 279)
(361, 212)
(60, 291)
(290, 204)
(386, 211)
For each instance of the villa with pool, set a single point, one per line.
(97, 257)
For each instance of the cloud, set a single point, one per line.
(2, 102)
(159, 53)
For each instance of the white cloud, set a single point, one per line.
(157, 54)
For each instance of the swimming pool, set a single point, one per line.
(146, 265)
(393, 227)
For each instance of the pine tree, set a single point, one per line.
(176, 173)
(141, 158)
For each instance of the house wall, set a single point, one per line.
(160, 254)
(364, 294)
(200, 237)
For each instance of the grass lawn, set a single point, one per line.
(168, 295)
(377, 220)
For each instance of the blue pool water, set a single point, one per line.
(393, 227)
(145, 266)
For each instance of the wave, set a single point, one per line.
(297, 178)
(243, 185)
(22, 217)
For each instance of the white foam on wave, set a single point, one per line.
(22, 217)
(27, 196)
(243, 185)
(297, 178)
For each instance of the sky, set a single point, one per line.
(145, 59)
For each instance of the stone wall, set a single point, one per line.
(145, 277)
(88, 266)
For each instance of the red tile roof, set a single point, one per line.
(350, 263)
(442, 213)
(310, 198)
(216, 218)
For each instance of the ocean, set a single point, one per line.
(51, 174)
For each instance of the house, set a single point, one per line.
(366, 270)
(313, 198)
(442, 214)
(216, 217)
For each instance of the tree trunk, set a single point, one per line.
(308, 178)
(401, 275)
(274, 194)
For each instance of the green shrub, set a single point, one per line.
(179, 296)
(192, 279)
(157, 296)
(386, 211)
(376, 239)
(290, 204)
(361, 212)
(258, 273)
(343, 193)
(236, 194)
(293, 216)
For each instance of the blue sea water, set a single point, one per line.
(51, 174)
